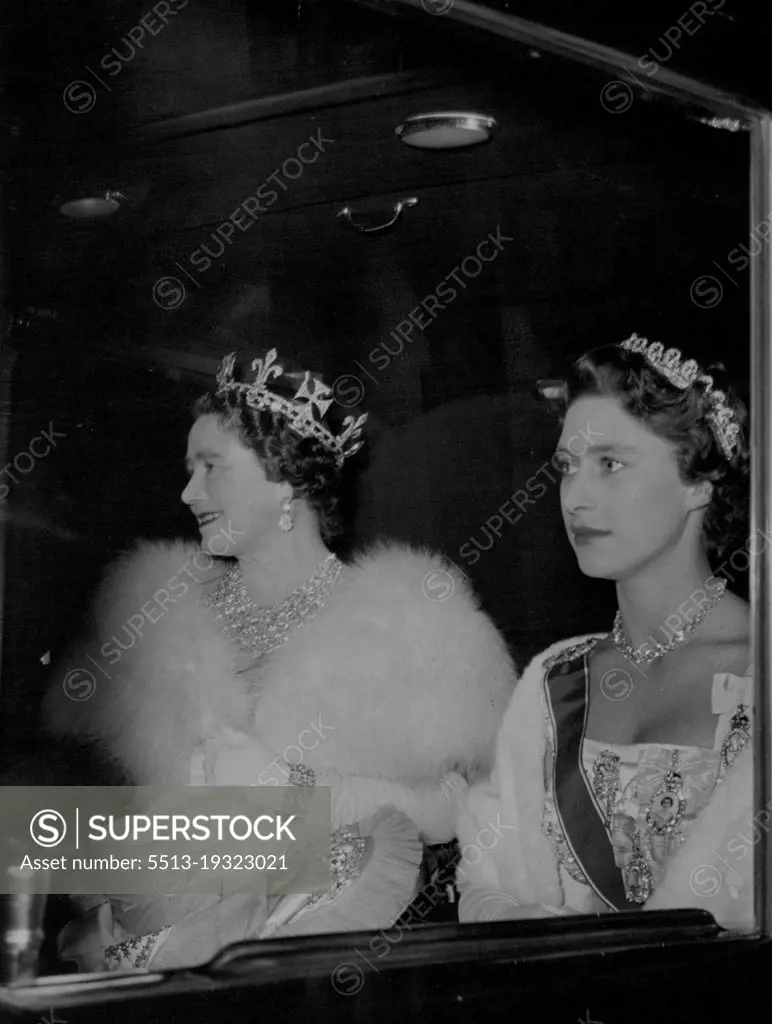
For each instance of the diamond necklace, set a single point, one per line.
(651, 650)
(261, 630)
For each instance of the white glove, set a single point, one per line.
(232, 758)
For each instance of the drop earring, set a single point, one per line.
(285, 520)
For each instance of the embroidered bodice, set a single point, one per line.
(648, 795)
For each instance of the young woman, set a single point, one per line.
(381, 678)
(623, 774)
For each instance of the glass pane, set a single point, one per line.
(446, 293)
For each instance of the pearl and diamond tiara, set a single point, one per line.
(304, 412)
(683, 375)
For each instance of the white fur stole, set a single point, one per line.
(399, 676)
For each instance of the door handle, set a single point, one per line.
(351, 216)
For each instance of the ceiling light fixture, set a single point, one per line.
(91, 207)
(446, 130)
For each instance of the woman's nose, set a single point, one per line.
(192, 490)
(576, 492)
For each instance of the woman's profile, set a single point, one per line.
(624, 764)
(379, 677)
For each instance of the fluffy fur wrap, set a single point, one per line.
(386, 681)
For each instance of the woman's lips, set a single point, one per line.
(584, 535)
(208, 517)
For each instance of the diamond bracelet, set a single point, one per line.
(301, 775)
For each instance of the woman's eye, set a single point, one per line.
(564, 465)
(608, 463)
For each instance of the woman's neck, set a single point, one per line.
(665, 598)
(282, 564)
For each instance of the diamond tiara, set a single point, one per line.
(683, 375)
(304, 411)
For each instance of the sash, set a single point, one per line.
(566, 687)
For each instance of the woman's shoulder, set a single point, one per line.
(529, 687)
(563, 652)
(398, 563)
(724, 646)
(418, 584)
(153, 575)
(151, 562)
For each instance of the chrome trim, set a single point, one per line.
(578, 50)
(761, 507)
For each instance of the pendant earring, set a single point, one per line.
(285, 520)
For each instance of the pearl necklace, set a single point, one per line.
(261, 630)
(651, 650)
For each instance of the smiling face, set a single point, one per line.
(228, 491)
(624, 503)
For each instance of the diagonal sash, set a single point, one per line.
(566, 687)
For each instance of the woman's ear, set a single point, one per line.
(700, 494)
(285, 491)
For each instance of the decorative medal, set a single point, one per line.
(636, 875)
(667, 807)
(605, 782)
(738, 737)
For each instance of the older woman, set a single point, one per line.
(383, 676)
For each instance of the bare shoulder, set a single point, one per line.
(731, 620)
(726, 643)
(603, 654)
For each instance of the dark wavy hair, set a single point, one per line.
(286, 457)
(681, 418)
